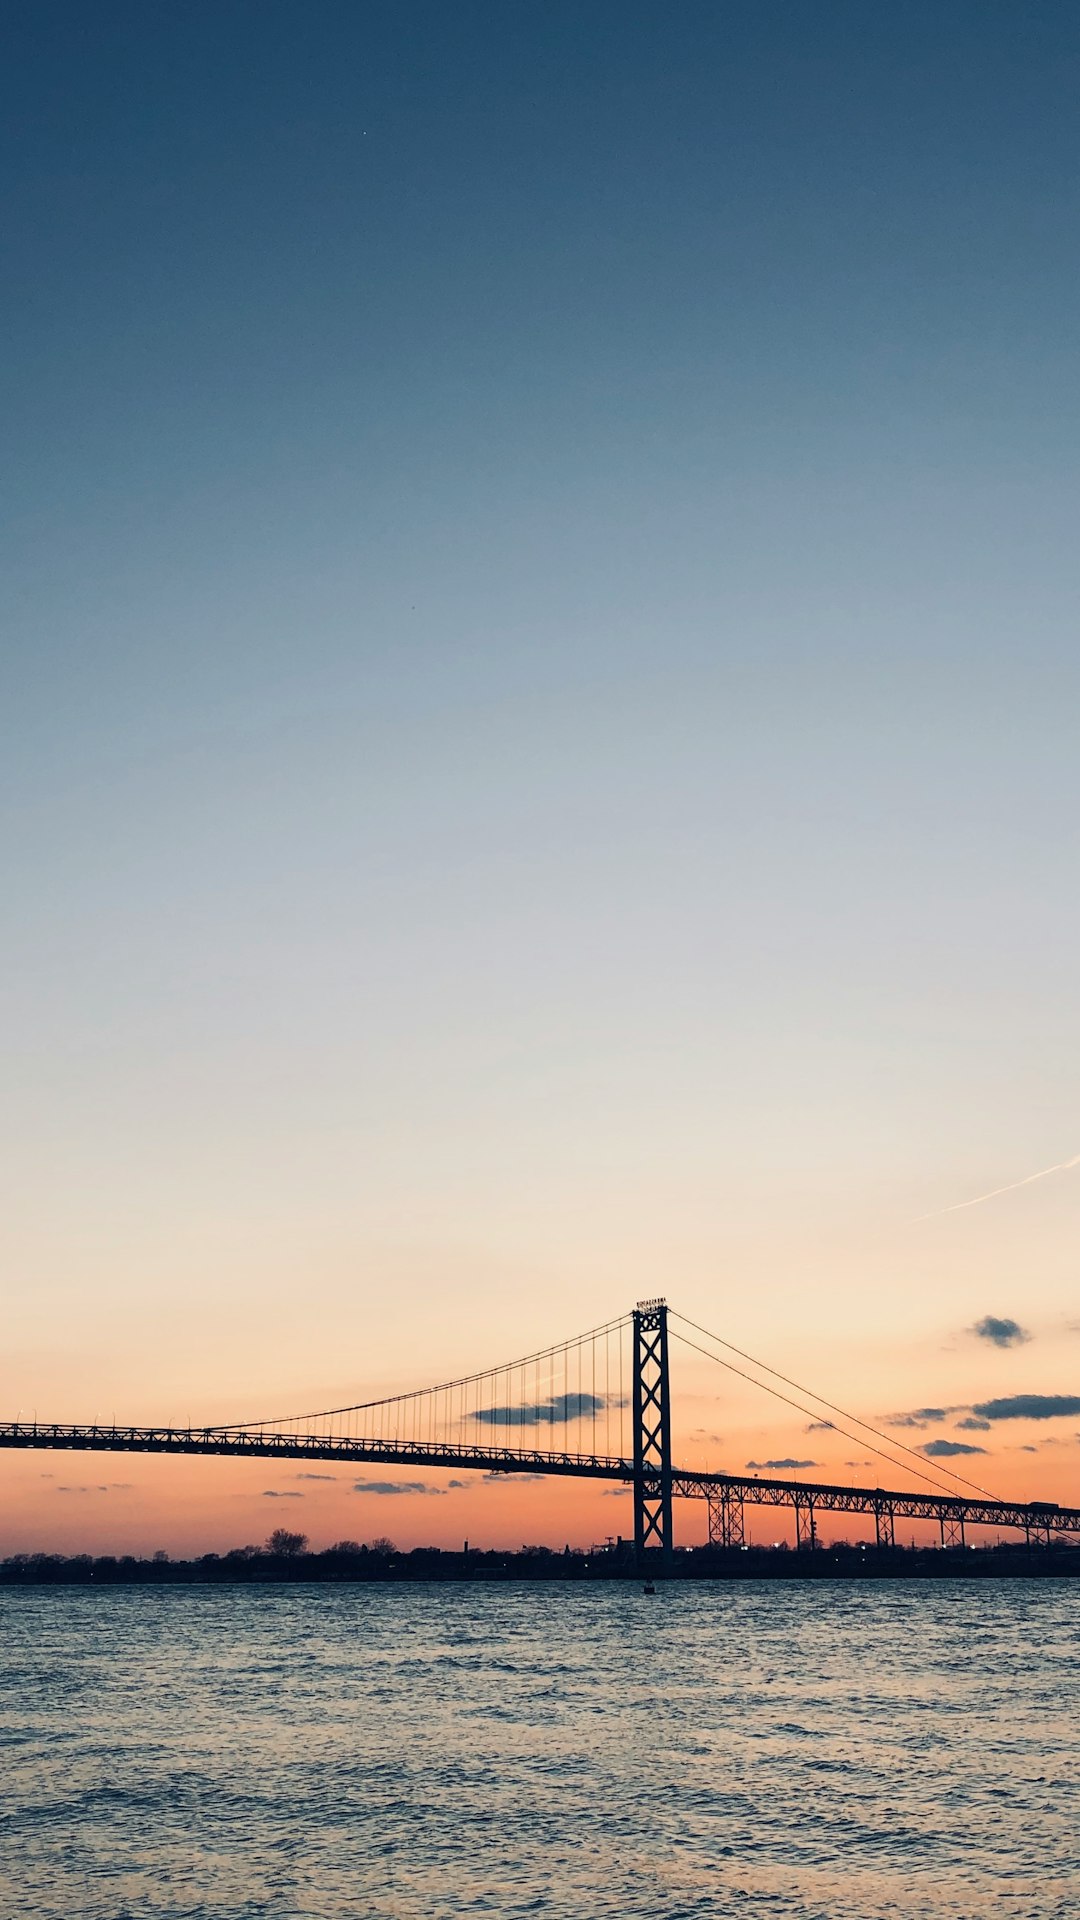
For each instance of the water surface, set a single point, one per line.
(810, 1752)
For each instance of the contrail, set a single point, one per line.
(1063, 1166)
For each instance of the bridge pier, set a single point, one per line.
(885, 1525)
(727, 1519)
(805, 1523)
(952, 1530)
(652, 1432)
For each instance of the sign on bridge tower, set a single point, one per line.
(652, 1430)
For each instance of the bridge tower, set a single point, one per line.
(652, 1431)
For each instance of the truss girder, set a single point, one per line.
(1036, 1520)
(1027, 1517)
(248, 1444)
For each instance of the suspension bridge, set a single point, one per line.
(597, 1407)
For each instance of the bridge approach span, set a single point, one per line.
(727, 1494)
(245, 1444)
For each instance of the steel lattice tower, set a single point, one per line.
(652, 1431)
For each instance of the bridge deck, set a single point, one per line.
(805, 1495)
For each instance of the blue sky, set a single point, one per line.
(540, 678)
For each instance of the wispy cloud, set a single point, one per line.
(271, 1493)
(395, 1486)
(317, 1476)
(1061, 1166)
(560, 1408)
(1030, 1406)
(1000, 1333)
(756, 1466)
(111, 1486)
(500, 1479)
(971, 1425)
(920, 1417)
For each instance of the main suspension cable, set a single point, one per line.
(866, 1425)
(445, 1386)
(857, 1439)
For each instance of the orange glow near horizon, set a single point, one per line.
(71, 1502)
(905, 1354)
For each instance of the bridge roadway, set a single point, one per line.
(807, 1498)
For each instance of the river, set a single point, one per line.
(381, 1752)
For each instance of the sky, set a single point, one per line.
(538, 726)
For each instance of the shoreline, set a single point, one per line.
(434, 1567)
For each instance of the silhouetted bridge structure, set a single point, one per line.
(590, 1387)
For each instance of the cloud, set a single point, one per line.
(948, 1449)
(617, 1493)
(921, 1417)
(271, 1493)
(112, 1486)
(782, 1464)
(500, 1479)
(819, 1426)
(1000, 1333)
(317, 1476)
(395, 1486)
(1029, 1406)
(458, 1485)
(560, 1408)
(971, 1425)
(1061, 1166)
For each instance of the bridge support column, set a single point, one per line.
(652, 1432)
(805, 1523)
(885, 1525)
(952, 1530)
(727, 1523)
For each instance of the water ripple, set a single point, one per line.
(408, 1753)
